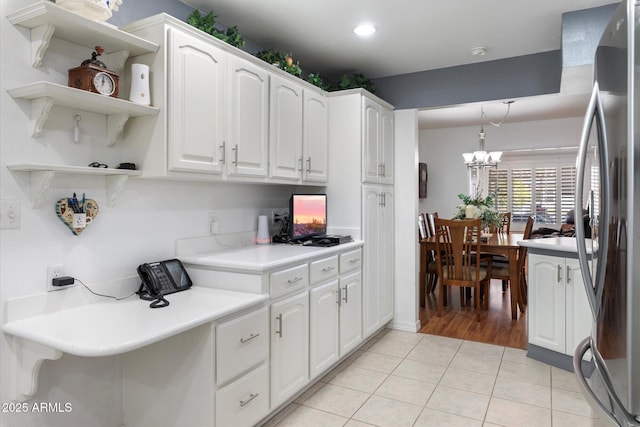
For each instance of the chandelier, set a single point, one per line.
(482, 159)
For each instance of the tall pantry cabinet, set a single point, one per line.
(361, 193)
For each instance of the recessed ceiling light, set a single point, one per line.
(364, 30)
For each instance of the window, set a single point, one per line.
(540, 185)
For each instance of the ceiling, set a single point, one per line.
(412, 36)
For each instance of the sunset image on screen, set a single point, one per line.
(310, 211)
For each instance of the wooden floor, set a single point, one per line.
(495, 326)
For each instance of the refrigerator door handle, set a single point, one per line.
(584, 346)
(593, 287)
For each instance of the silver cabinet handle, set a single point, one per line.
(338, 297)
(354, 260)
(568, 274)
(346, 295)
(251, 397)
(384, 169)
(309, 164)
(559, 273)
(251, 336)
(223, 152)
(279, 325)
(327, 269)
(300, 165)
(235, 155)
(294, 280)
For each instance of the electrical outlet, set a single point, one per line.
(54, 271)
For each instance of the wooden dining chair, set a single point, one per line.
(505, 224)
(500, 268)
(433, 271)
(458, 260)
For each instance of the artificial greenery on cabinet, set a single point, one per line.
(207, 23)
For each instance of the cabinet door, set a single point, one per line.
(385, 257)
(371, 199)
(247, 145)
(196, 100)
(323, 322)
(289, 347)
(350, 312)
(579, 317)
(385, 151)
(371, 166)
(547, 302)
(315, 142)
(285, 131)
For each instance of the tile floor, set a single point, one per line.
(405, 379)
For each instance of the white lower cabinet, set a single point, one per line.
(377, 228)
(335, 315)
(245, 401)
(289, 347)
(559, 313)
(324, 309)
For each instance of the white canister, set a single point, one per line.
(263, 237)
(140, 84)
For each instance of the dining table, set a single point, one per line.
(505, 244)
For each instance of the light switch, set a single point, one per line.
(9, 214)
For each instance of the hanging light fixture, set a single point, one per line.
(482, 159)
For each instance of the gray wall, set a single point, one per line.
(529, 75)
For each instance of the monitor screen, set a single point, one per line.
(308, 215)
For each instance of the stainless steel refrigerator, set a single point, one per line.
(608, 192)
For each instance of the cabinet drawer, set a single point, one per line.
(323, 269)
(350, 261)
(244, 402)
(241, 343)
(290, 280)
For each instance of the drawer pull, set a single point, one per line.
(294, 280)
(251, 336)
(354, 260)
(247, 401)
(327, 269)
(279, 325)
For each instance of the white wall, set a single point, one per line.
(143, 226)
(442, 150)
(407, 254)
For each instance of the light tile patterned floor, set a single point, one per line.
(404, 379)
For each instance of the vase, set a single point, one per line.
(470, 212)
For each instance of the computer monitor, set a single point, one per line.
(307, 215)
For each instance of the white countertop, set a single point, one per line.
(261, 258)
(559, 244)
(115, 327)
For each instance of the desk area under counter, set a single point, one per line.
(559, 315)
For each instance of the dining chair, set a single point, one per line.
(431, 231)
(500, 269)
(458, 260)
(425, 231)
(505, 224)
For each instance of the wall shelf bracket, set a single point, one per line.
(40, 39)
(28, 361)
(115, 184)
(40, 109)
(115, 60)
(115, 124)
(40, 182)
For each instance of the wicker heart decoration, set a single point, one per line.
(77, 223)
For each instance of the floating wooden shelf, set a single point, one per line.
(43, 95)
(46, 19)
(41, 176)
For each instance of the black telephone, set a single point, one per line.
(162, 278)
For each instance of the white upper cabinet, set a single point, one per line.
(315, 141)
(246, 151)
(196, 109)
(285, 134)
(377, 143)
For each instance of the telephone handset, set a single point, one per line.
(162, 278)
